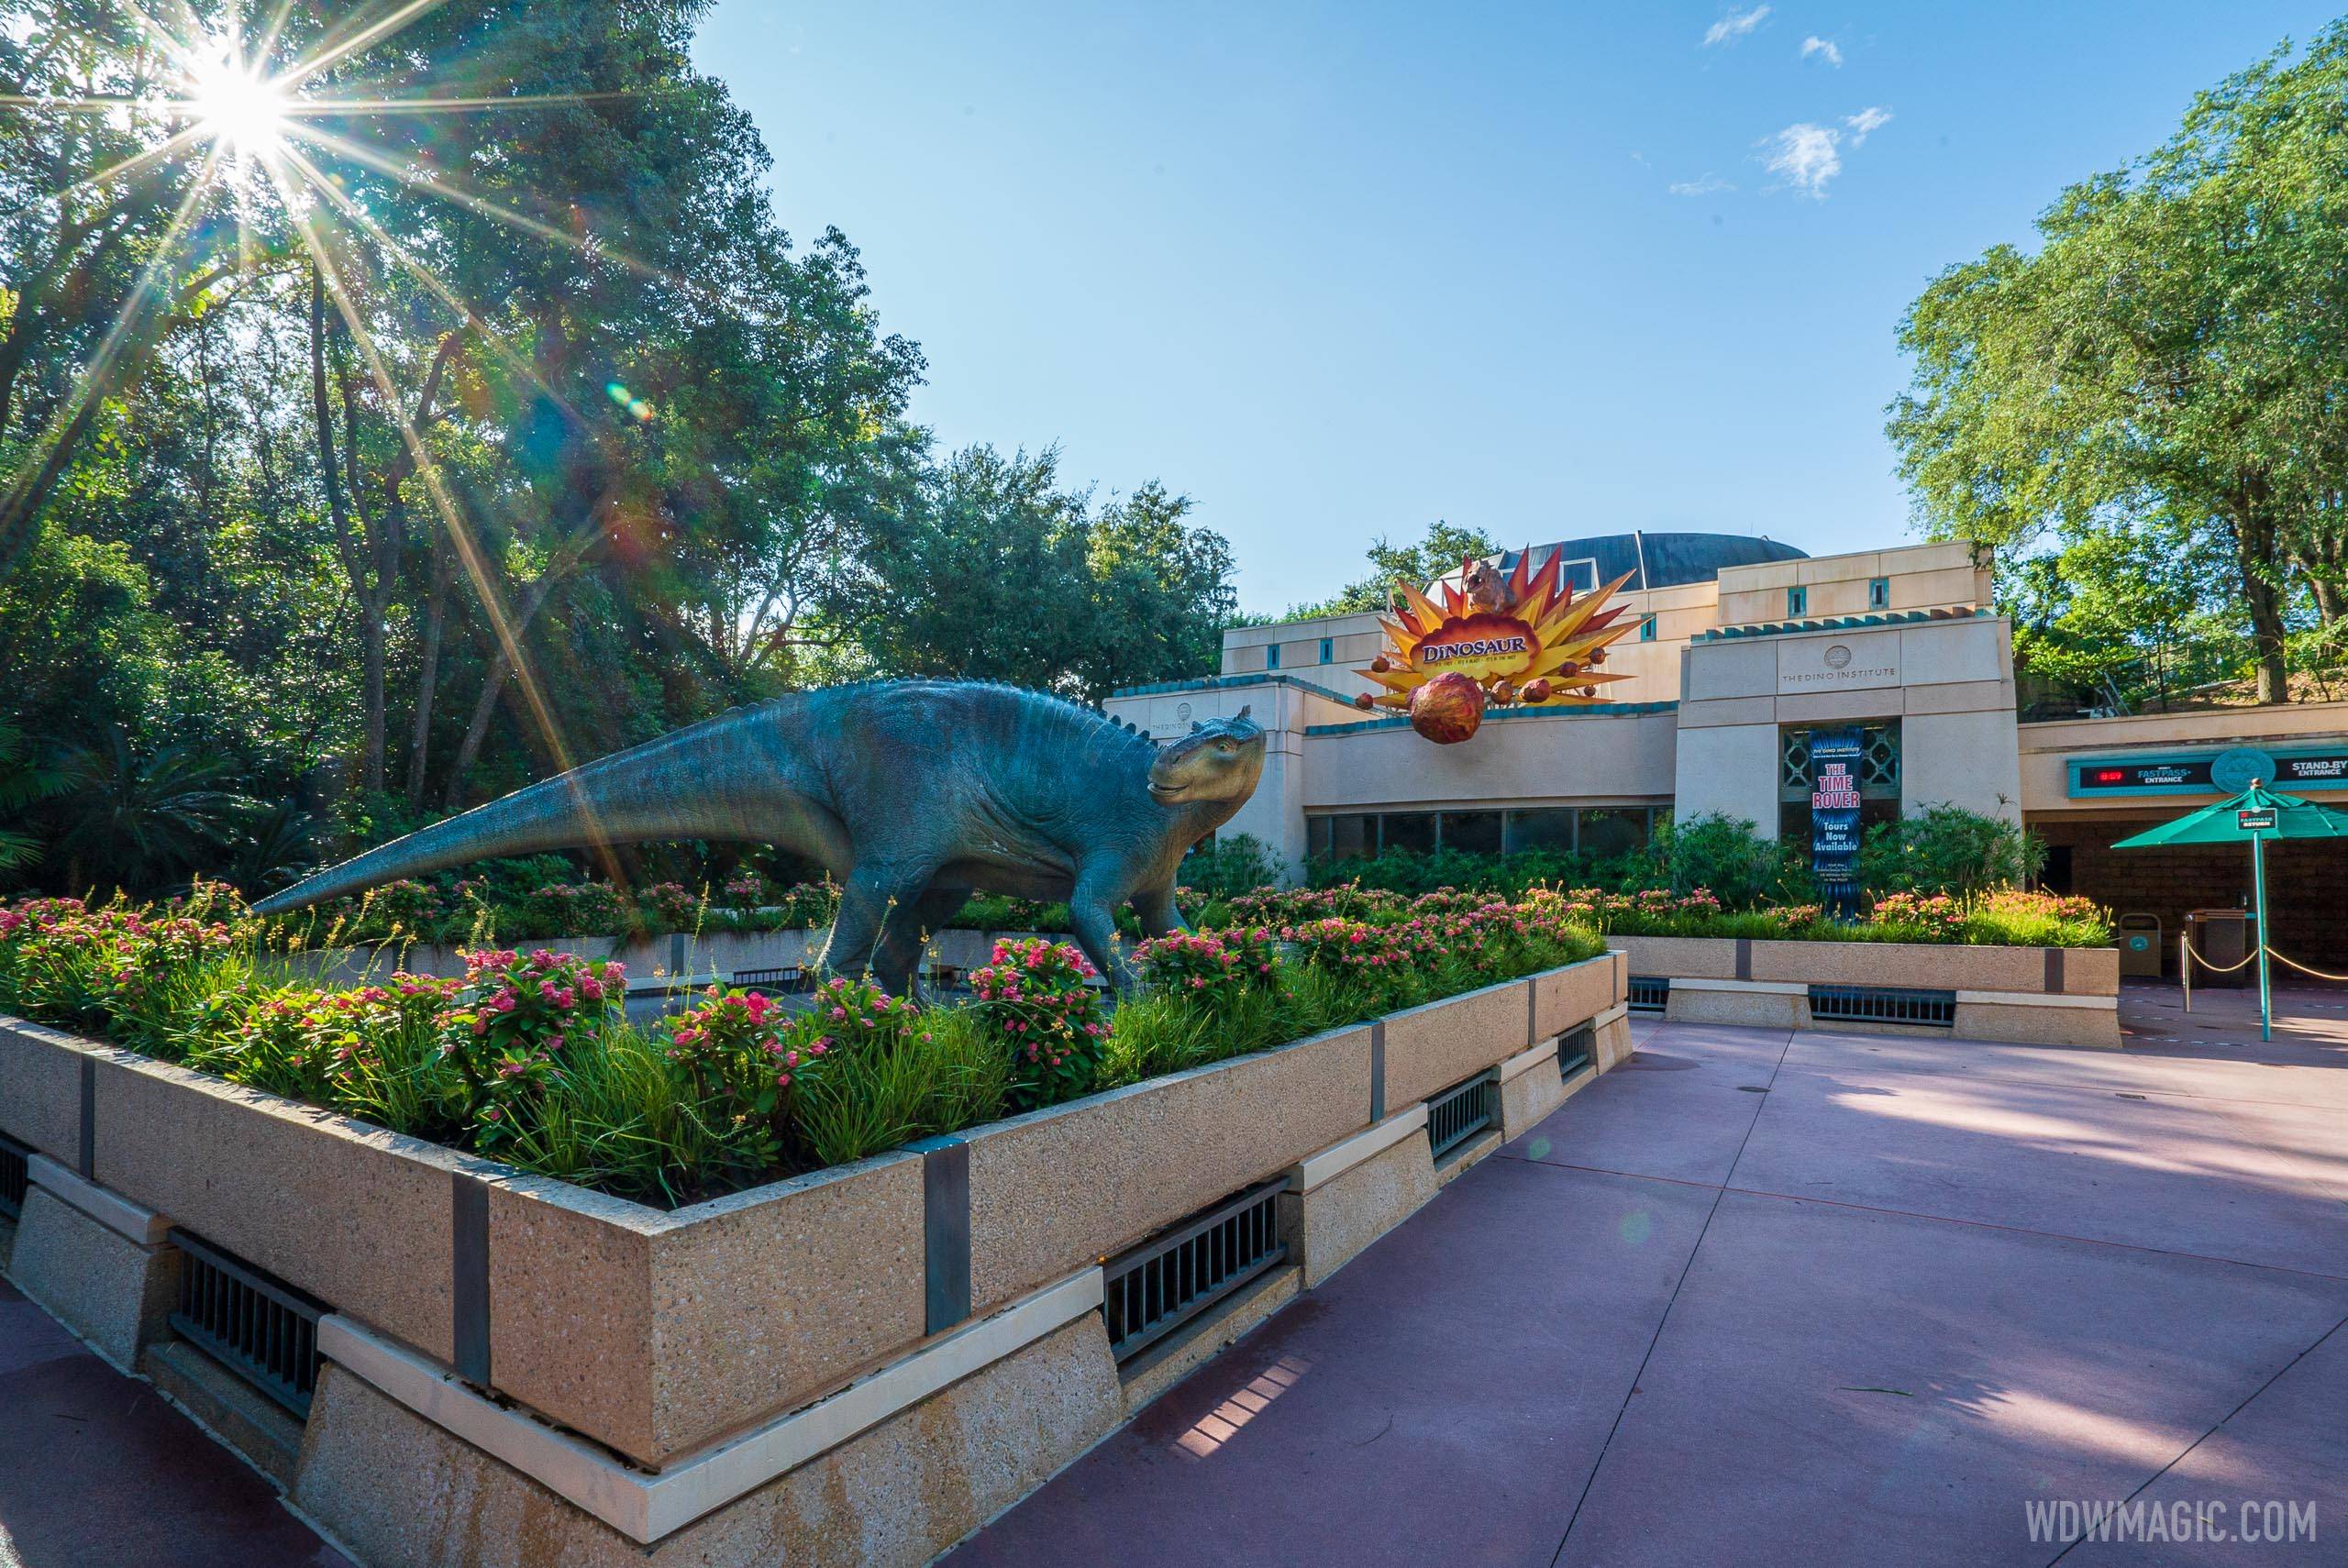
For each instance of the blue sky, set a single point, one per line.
(1336, 271)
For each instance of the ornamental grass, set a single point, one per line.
(530, 1057)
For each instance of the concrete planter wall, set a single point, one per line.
(672, 1339)
(2039, 995)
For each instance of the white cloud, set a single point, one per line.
(1822, 48)
(1733, 25)
(1709, 185)
(1806, 157)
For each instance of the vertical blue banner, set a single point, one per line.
(1835, 758)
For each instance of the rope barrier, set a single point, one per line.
(2187, 959)
(2226, 968)
(2303, 968)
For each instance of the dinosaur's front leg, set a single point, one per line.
(1091, 912)
(1156, 909)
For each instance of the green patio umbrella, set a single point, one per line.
(2256, 815)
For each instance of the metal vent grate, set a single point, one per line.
(12, 1176)
(1458, 1113)
(1575, 1050)
(1169, 1280)
(261, 1328)
(1650, 993)
(1882, 1004)
(784, 981)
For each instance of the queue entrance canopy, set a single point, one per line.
(2256, 815)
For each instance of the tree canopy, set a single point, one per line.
(1445, 546)
(479, 420)
(2154, 395)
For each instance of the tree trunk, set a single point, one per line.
(427, 678)
(371, 588)
(2256, 557)
(492, 687)
(332, 467)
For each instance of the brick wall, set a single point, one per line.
(2304, 880)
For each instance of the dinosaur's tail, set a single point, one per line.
(719, 779)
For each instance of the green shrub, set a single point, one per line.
(1229, 866)
(1947, 849)
(1722, 855)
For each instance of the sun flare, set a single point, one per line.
(238, 106)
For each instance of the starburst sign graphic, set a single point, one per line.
(1526, 639)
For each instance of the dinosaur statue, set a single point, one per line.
(912, 793)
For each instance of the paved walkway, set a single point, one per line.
(1751, 1299)
(1807, 1299)
(98, 1471)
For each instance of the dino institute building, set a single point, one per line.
(1746, 648)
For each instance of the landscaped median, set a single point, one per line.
(861, 1365)
(2035, 996)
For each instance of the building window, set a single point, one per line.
(1796, 603)
(1608, 833)
(1476, 832)
(1878, 594)
(1407, 830)
(1552, 830)
(1346, 837)
(1646, 630)
(1271, 655)
(1328, 649)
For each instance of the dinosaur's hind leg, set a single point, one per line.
(905, 932)
(869, 899)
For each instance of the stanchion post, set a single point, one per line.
(2259, 886)
(2184, 965)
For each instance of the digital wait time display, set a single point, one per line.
(2134, 778)
(2326, 769)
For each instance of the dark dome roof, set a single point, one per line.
(1657, 560)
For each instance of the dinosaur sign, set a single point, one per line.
(1522, 637)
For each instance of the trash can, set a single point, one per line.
(2219, 938)
(2141, 952)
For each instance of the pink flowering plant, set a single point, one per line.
(1376, 963)
(668, 906)
(1916, 917)
(325, 1046)
(564, 908)
(122, 969)
(1036, 999)
(521, 1012)
(1208, 965)
(741, 1058)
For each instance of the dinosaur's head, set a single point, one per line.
(1219, 760)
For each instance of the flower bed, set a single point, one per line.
(657, 1332)
(2001, 918)
(529, 1057)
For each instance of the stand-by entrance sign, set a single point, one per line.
(1834, 756)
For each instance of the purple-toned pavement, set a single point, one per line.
(1753, 1298)
(97, 1471)
(1807, 1299)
